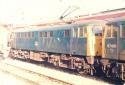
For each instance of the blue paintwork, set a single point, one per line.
(122, 44)
(57, 44)
(78, 46)
(111, 48)
(115, 47)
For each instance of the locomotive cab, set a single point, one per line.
(94, 42)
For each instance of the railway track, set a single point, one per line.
(75, 72)
(30, 76)
(14, 78)
(55, 75)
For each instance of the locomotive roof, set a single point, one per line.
(105, 16)
(45, 28)
(61, 27)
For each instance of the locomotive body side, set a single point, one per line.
(64, 44)
(54, 40)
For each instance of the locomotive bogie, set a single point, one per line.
(35, 56)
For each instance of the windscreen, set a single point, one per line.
(97, 30)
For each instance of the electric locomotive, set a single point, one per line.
(71, 46)
(93, 44)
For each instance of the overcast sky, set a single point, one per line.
(37, 11)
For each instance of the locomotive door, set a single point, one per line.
(111, 41)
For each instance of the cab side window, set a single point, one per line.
(108, 31)
(112, 30)
(82, 32)
(122, 31)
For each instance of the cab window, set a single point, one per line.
(82, 32)
(122, 31)
(97, 30)
(112, 30)
(108, 32)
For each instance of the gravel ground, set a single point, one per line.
(29, 76)
(8, 79)
(73, 79)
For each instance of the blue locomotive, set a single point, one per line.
(92, 44)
